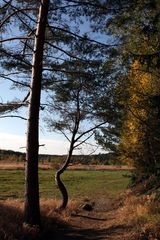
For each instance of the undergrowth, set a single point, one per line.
(142, 213)
(11, 220)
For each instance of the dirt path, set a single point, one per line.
(99, 224)
(105, 221)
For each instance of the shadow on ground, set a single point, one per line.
(11, 219)
(70, 233)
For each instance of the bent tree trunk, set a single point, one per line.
(32, 208)
(59, 182)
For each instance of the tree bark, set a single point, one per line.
(32, 208)
(58, 180)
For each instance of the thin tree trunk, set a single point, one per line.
(59, 182)
(32, 208)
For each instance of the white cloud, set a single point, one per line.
(51, 146)
(11, 141)
(18, 143)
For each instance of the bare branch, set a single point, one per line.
(16, 82)
(13, 116)
(65, 135)
(94, 150)
(83, 38)
(14, 38)
(15, 12)
(89, 130)
(100, 6)
(6, 4)
(18, 58)
(138, 117)
(14, 73)
(89, 3)
(84, 141)
(26, 97)
(79, 73)
(65, 52)
(40, 145)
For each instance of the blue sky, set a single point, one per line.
(13, 130)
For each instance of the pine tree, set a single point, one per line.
(49, 42)
(74, 101)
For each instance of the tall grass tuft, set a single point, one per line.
(11, 219)
(143, 214)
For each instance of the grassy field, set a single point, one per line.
(80, 184)
(107, 220)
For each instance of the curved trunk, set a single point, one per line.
(59, 182)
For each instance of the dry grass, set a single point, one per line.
(11, 219)
(99, 167)
(20, 165)
(50, 209)
(143, 214)
(139, 216)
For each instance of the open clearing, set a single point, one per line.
(99, 188)
(80, 184)
(114, 216)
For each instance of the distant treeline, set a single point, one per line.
(108, 158)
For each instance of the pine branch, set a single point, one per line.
(89, 130)
(32, 31)
(84, 141)
(83, 38)
(102, 6)
(13, 116)
(63, 7)
(65, 135)
(15, 12)
(79, 73)
(89, 3)
(14, 38)
(5, 5)
(65, 52)
(14, 81)
(15, 56)
(14, 73)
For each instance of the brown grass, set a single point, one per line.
(143, 214)
(137, 217)
(16, 165)
(11, 219)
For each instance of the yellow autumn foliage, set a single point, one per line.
(142, 85)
